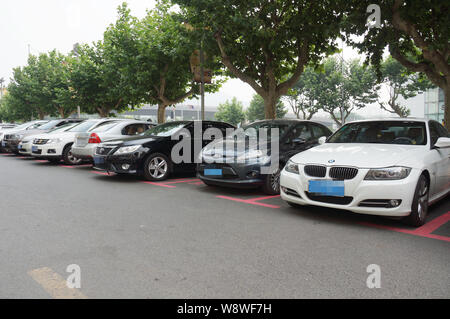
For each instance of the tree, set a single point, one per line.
(417, 34)
(95, 84)
(302, 97)
(153, 56)
(345, 87)
(231, 112)
(256, 109)
(401, 82)
(267, 44)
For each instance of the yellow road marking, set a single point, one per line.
(54, 284)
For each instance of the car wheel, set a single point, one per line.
(68, 157)
(271, 184)
(157, 167)
(419, 209)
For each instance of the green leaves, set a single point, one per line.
(231, 112)
(256, 110)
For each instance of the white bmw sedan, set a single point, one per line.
(395, 167)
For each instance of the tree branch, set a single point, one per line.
(302, 60)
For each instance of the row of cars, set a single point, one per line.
(395, 167)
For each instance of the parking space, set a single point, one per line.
(182, 239)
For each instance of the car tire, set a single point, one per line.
(271, 185)
(419, 209)
(157, 167)
(68, 158)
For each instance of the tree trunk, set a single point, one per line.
(270, 106)
(447, 107)
(41, 115)
(161, 113)
(61, 112)
(102, 112)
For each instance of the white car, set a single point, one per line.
(58, 146)
(24, 146)
(389, 167)
(86, 143)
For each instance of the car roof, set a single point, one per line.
(392, 119)
(287, 121)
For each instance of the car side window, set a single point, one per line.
(437, 131)
(301, 131)
(134, 129)
(320, 131)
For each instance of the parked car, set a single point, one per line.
(221, 166)
(386, 167)
(11, 138)
(25, 145)
(15, 139)
(58, 146)
(149, 155)
(5, 127)
(85, 143)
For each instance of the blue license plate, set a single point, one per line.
(213, 172)
(99, 160)
(3, 144)
(327, 188)
(34, 149)
(19, 147)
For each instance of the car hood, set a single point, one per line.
(360, 155)
(225, 148)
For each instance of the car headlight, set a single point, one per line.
(256, 155)
(292, 167)
(389, 173)
(54, 141)
(127, 149)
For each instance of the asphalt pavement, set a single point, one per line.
(182, 239)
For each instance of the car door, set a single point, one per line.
(440, 159)
(298, 139)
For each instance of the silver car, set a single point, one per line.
(85, 143)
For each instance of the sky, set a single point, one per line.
(38, 26)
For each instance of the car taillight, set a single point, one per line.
(94, 139)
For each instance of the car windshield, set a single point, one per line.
(62, 128)
(165, 130)
(252, 129)
(50, 125)
(83, 127)
(382, 132)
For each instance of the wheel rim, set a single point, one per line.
(422, 204)
(275, 181)
(73, 159)
(158, 167)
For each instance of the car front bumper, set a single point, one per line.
(47, 150)
(122, 164)
(25, 148)
(233, 175)
(358, 193)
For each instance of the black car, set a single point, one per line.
(150, 154)
(221, 165)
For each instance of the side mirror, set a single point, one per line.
(442, 142)
(322, 140)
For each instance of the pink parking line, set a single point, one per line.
(424, 231)
(41, 161)
(160, 184)
(103, 173)
(7, 154)
(197, 183)
(251, 201)
(182, 181)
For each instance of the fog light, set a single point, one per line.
(395, 202)
(125, 167)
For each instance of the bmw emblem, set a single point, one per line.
(331, 161)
